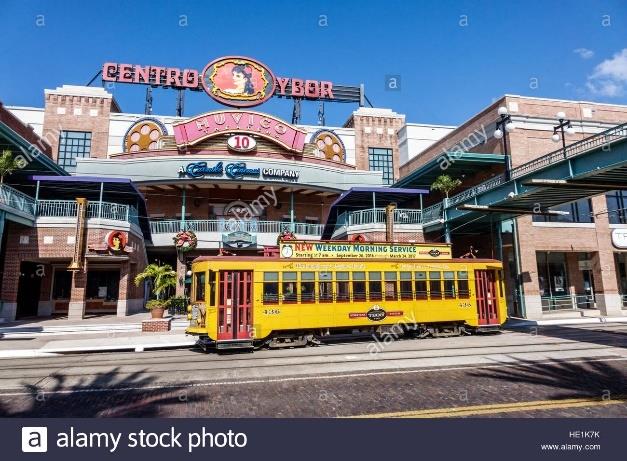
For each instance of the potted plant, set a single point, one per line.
(162, 278)
(445, 184)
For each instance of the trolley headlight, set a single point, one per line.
(189, 316)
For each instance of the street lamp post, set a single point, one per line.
(563, 123)
(505, 125)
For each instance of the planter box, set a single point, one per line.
(156, 325)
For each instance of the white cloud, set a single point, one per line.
(609, 78)
(584, 53)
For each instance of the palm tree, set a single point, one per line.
(8, 164)
(445, 184)
(162, 278)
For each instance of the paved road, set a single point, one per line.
(550, 371)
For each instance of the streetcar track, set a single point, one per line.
(268, 380)
(231, 368)
(97, 358)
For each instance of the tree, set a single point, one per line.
(162, 278)
(445, 184)
(8, 164)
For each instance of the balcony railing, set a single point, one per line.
(233, 225)
(15, 199)
(103, 210)
(377, 216)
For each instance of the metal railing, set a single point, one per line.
(233, 225)
(567, 302)
(377, 216)
(602, 139)
(596, 141)
(432, 214)
(15, 199)
(104, 210)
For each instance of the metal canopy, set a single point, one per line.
(457, 165)
(116, 190)
(361, 198)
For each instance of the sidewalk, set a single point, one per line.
(46, 337)
(104, 324)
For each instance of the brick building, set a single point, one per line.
(147, 177)
(566, 262)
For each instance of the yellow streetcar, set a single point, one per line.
(315, 289)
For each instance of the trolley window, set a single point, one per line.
(270, 287)
(406, 288)
(359, 286)
(421, 284)
(199, 283)
(462, 284)
(391, 290)
(374, 286)
(289, 287)
(325, 286)
(212, 288)
(342, 283)
(307, 287)
(435, 285)
(449, 284)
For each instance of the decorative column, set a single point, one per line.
(76, 308)
(181, 272)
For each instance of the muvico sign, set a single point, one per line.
(205, 126)
(236, 81)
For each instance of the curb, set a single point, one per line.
(520, 323)
(79, 329)
(133, 347)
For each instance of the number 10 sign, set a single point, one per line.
(241, 143)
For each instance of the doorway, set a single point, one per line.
(28, 290)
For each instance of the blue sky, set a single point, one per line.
(453, 57)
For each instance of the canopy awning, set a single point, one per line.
(361, 198)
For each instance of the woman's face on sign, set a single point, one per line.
(238, 79)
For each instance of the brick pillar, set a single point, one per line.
(603, 263)
(181, 269)
(123, 292)
(10, 281)
(529, 269)
(76, 308)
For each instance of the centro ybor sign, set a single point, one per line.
(233, 80)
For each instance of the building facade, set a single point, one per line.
(235, 178)
(574, 260)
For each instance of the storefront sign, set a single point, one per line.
(234, 80)
(585, 265)
(241, 143)
(239, 239)
(116, 240)
(619, 238)
(340, 250)
(205, 126)
(236, 170)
